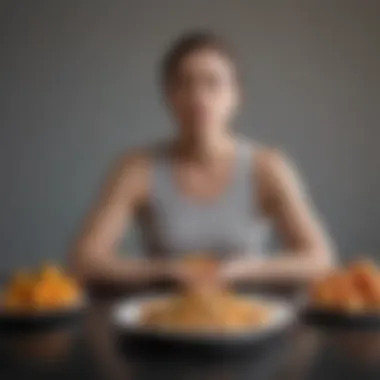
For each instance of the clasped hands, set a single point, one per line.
(203, 272)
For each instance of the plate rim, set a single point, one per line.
(289, 316)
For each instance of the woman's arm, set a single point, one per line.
(94, 256)
(308, 251)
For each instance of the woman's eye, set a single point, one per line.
(205, 81)
(212, 82)
(185, 83)
(215, 81)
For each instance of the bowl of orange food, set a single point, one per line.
(204, 310)
(214, 318)
(40, 297)
(347, 297)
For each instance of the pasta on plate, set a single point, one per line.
(219, 311)
(206, 307)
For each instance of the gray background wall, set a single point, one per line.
(78, 86)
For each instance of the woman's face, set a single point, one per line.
(204, 94)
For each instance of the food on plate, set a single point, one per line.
(205, 307)
(47, 288)
(355, 288)
(217, 311)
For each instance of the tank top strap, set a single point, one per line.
(161, 182)
(245, 155)
(243, 190)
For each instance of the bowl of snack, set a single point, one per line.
(42, 297)
(347, 297)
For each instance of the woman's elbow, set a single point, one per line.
(83, 265)
(323, 261)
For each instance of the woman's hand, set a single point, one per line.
(196, 273)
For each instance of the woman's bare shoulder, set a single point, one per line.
(271, 161)
(275, 174)
(139, 158)
(133, 159)
(130, 173)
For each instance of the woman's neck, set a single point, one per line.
(205, 150)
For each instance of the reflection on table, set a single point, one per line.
(92, 349)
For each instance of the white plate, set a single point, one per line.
(126, 316)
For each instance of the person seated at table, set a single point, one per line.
(205, 190)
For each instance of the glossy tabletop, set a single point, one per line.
(90, 348)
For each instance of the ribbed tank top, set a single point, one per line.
(173, 224)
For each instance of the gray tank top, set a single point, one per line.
(173, 224)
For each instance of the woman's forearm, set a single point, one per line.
(285, 268)
(122, 270)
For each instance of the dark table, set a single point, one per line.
(89, 349)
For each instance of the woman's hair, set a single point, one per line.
(188, 44)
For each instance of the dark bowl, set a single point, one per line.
(17, 322)
(336, 319)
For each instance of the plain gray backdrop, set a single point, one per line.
(78, 86)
